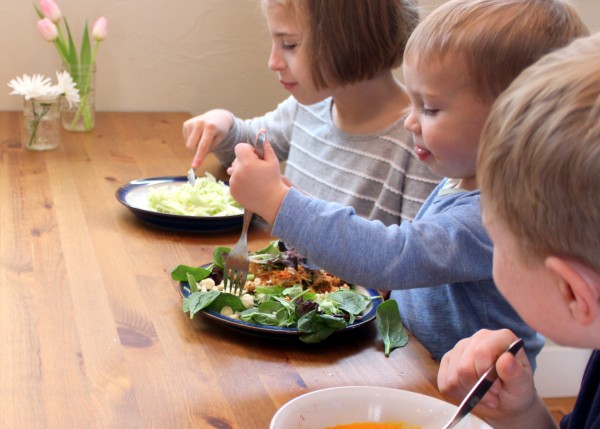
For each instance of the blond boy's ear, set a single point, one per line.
(580, 288)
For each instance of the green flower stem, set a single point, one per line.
(37, 117)
(83, 78)
(83, 110)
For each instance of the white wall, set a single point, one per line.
(175, 55)
(166, 55)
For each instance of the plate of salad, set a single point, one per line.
(284, 296)
(171, 202)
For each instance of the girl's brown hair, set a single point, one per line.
(348, 41)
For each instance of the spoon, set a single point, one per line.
(480, 389)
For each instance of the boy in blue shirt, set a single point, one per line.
(539, 173)
(439, 267)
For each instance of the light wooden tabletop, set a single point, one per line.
(92, 334)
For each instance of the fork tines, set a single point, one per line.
(234, 281)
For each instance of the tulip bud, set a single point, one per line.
(50, 10)
(47, 29)
(100, 29)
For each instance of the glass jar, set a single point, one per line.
(41, 120)
(83, 116)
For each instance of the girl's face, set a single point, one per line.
(446, 118)
(288, 54)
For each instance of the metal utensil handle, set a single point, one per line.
(482, 386)
(260, 151)
(259, 145)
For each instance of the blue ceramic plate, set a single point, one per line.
(265, 330)
(134, 196)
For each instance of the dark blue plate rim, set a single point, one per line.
(174, 221)
(281, 331)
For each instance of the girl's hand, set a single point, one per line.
(203, 133)
(512, 401)
(257, 184)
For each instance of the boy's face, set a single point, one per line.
(446, 118)
(289, 57)
(527, 284)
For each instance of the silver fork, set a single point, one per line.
(237, 264)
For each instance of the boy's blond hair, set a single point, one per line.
(539, 160)
(496, 39)
(348, 41)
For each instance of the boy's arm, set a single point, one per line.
(512, 402)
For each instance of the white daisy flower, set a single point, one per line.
(36, 86)
(67, 87)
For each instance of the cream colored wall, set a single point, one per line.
(175, 55)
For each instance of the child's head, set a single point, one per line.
(539, 171)
(460, 58)
(340, 41)
(495, 39)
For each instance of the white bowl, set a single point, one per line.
(351, 404)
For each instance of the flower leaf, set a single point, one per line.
(62, 50)
(86, 51)
(38, 11)
(72, 55)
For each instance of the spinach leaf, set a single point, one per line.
(273, 313)
(218, 256)
(269, 290)
(226, 300)
(272, 249)
(293, 291)
(351, 302)
(390, 326)
(255, 316)
(199, 273)
(197, 301)
(316, 327)
(192, 283)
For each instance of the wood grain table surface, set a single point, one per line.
(92, 333)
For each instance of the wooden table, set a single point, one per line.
(92, 330)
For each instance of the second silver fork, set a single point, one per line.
(237, 263)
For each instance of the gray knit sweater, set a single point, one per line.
(378, 175)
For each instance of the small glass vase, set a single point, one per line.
(41, 119)
(82, 117)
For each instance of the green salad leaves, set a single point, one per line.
(316, 315)
(207, 197)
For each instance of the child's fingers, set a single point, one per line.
(244, 151)
(270, 154)
(203, 146)
(515, 373)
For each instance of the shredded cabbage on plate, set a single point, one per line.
(207, 197)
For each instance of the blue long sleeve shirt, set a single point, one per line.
(439, 267)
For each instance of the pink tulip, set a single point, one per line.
(100, 29)
(47, 29)
(50, 10)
